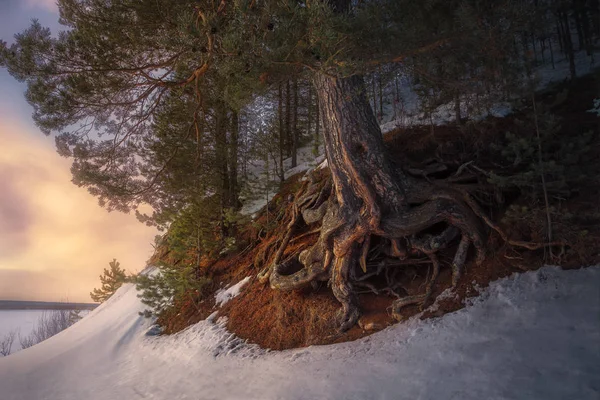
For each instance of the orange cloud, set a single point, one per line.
(54, 238)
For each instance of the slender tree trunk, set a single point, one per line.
(317, 123)
(457, 109)
(374, 95)
(586, 30)
(221, 155)
(295, 125)
(561, 44)
(551, 52)
(233, 161)
(568, 42)
(281, 133)
(380, 95)
(533, 46)
(309, 107)
(288, 117)
(578, 24)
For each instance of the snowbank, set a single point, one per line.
(530, 336)
(224, 295)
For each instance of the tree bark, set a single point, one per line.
(362, 174)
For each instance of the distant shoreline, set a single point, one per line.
(44, 305)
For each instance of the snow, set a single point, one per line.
(529, 336)
(546, 75)
(224, 295)
(410, 113)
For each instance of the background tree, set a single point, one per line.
(6, 343)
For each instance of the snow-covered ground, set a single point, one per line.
(409, 112)
(224, 295)
(530, 336)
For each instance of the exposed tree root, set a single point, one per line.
(368, 202)
(344, 254)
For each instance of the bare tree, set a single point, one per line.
(7, 342)
(49, 324)
(27, 341)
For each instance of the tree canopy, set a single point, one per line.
(123, 74)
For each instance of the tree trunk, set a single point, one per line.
(221, 156)
(551, 52)
(380, 95)
(362, 176)
(559, 34)
(309, 106)
(374, 96)
(295, 125)
(233, 161)
(568, 43)
(317, 120)
(457, 115)
(577, 17)
(288, 117)
(281, 134)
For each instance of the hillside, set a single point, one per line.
(475, 153)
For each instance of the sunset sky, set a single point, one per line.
(54, 237)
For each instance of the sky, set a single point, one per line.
(55, 239)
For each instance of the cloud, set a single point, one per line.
(15, 216)
(48, 5)
(52, 231)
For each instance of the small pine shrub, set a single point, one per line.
(111, 280)
(160, 291)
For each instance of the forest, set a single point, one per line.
(449, 159)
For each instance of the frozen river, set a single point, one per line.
(21, 320)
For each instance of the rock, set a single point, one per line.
(370, 325)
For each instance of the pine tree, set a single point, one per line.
(122, 65)
(111, 280)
